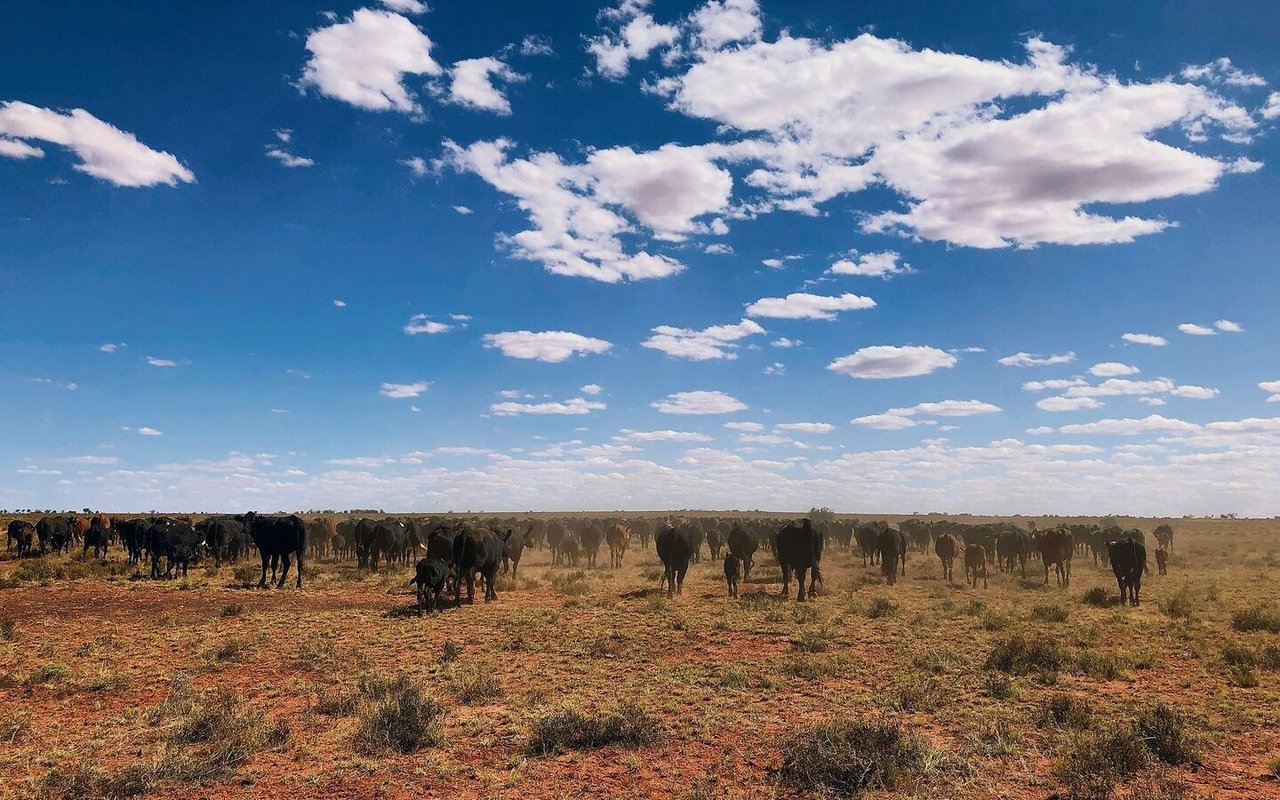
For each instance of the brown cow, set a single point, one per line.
(1164, 536)
(320, 534)
(81, 527)
(618, 537)
(1162, 560)
(1056, 548)
(946, 546)
(975, 563)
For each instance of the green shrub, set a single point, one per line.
(570, 729)
(1000, 686)
(1183, 604)
(917, 694)
(881, 607)
(473, 685)
(1257, 618)
(1101, 666)
(849, 756)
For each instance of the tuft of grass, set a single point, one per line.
(1022, 655)
(473, 686)
(1183, 604)
(995, 621)
(1064, 710)
(247, 574)
(1100, 666)
(233, 648)
(881, 607)
(573, 584)
(849, 756)
(1098, 760)
(1167, 734)
(813, 640)
(315, 653)
(1159, 787)
(335, 702)
(1257, 618)
(570, 729)
(232, 610)
(449, 651)
(1270, 657)
(1099, 597)
(917, 694)
(1050, 613)
(8, 627)
(398, 716)
(1000, 686)
(53, 672)
(999, 736)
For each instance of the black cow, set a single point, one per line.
(1012, 547)
(675, 549)
(476, 550)
(225, 536)
(280, 537)
(513, 545)
(890, 545)
(868, 539)
(390, 540)
(798, 548)
(175, 541)
(55, 533)
(1162, 560)
(591, 536)
(569, 550)
(1128, 562)
(696, 537)
(556, 534)
(133, 535)
(430, 575)
(732, 569)
(715, 541)
(743, 546)
(98, 538)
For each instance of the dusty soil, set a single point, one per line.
(727, 681)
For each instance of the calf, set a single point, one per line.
(1128, 562)
(430, 577)
(23, 535)
(1162, 560)
(618, 537)
(975, 565)
(732, 569)
(513, 545)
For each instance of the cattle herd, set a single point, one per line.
(450, 553)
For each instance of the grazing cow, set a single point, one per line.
(54, 533)
(513, 545)
(946, 546)
(975, 563)
(1164, 536)
(22, 534)
(732, 570)
(590, 536)
(618, 537)
(430, 575)
(133, 535)
(1056, 548)
(889, 545)
(280, 537)
(715, 541)
(98, 538)
(320, 533)
(476, 550)
(225, 537)
(743, 546)
(389, 538)
(1128, 562)
(798, 548)
(868, 539)
(173, 540)
(1162, 560)
(675, 549)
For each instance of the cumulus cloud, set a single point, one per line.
(746, 427)
(463, 210)
(889, 361)
(1272, 388)
(801, 305)
(421, 323)
(591, 389)
(472, 84)
(805, 427)
(104, 151)
(784, 342)
(1145, 338)
(288, 159)
(1029, 360)
(339, 303)
(111, 347)
(1132, 427)
(550, 346)
(1227, 326)
(1271, 109)
(634, 37)
(715, 342)
(1067, 403)
(575, 407)
(1056, 384)
(1112, 369)
(1221, 70)
(663, 436)
(698, 402)
(872, 265)
(145, 431)
(364, 60)
(720, 22)
(1195, 392)
(899, 418)
(400, 391)
(1192, 329)
(885, 422)
(406, 6)
(1122, 386)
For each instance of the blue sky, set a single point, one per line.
(877, 256)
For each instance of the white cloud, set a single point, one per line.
(1067, 403)
(718, 249)
(872, 265)
(533, 45)
(1113, 387)
(785, 342)
(472, 84)
(1271, 110)
(745, 427)
(1145, 338)
(1195, 392)
(1112, 369)
(637, 36)
(91, 460)
(1055, 384)
(1272, 388)
(146, 431)
(591, 389)
(1040, 430)
(1029, 360)
(776, 368)
(885, 422)
(664, 436)
(699, 402)
(363, 61)
(715, 342)
(288, 159)
(421, 323)
(1192, 329)
(111, 347)
(801, 305)
(1221, 70)
(339, 303)
(400, 391)
(805, 427)
(550, 346)
(888, 361)
(283, 135)
(1152, 401)
(161, 362)
(773, 263)
(105, 152)
(574, 407)
(416, 164)
(463, 210)
(406, 6)
(1227, 326)
(720, 22)
(1132, 427)
(949, 408)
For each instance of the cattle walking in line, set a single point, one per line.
(22, 536)
(1128, 561)
(743, 546)
(868, 539)
(54, 533)
(617, 537)
(946, 547)
(798, 548)
(975, 565)
(732, 571)
(430, 576)
(513, 546)
(280, 537)
(1162, 560)
(476, 552)
(715, 542)
(98, 538)
(1164, 536)
(696, 537)
(1012, 548)
(590, 538)
(675, 549)
(889, 545)
(1056, 548)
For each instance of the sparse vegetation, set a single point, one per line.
(473, 686)
(1257, 618)
(570, 729)
(1098, 597)
(1166, 733)
(1049, 613)
(1097, 760)
(1064, 710)
(1183, 604)
(847, 757)
(1022, 655)
(397, 716)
